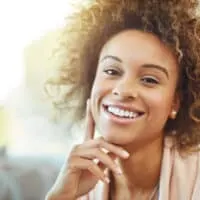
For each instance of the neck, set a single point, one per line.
(141, 171)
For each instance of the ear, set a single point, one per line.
(175, 106)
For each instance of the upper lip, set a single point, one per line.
(123, 106)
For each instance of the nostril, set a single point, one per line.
(115, 93)
(125, 93)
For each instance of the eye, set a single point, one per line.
(111, 72)
(150, 80)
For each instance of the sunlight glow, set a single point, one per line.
(22, 21)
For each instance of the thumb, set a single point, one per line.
(90, 124)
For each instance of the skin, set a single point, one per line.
(136, 71)
(126, 76)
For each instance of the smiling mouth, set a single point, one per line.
(122, 113)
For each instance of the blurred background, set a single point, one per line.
(32, 145)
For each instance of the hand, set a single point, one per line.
(86, 165)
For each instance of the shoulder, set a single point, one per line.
(180, 173)
(171, 147)
(184, 164)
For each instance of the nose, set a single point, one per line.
(125, 89)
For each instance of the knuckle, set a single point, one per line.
(76, 147)
(72, 155)
(71, 162)
(91, 165)
(96, 152)
(100, 141)
(70, 166)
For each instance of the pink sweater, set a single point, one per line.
(180, 177)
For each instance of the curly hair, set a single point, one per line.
(175, 22)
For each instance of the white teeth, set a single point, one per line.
(122, 113)
(135, 115)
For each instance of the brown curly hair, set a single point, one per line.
(175, 22)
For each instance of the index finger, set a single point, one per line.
(90, 124)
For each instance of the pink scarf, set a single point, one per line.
(180, 177)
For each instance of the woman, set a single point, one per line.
(138, 64)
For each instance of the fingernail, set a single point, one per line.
(87, 101)
(118, 170)
(125, 153)
(107, 180)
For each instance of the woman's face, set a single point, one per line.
(133, 93)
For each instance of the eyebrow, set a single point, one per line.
(111, 57)
(158, 67)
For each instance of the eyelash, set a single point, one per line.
(111, 72)
(150, 80)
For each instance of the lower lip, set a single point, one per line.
(120, 120)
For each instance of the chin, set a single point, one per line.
(116, 139)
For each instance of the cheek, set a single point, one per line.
(159, 109)
(160, 102)
(100, 89)
(97, 93)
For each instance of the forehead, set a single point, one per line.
(139, 47)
